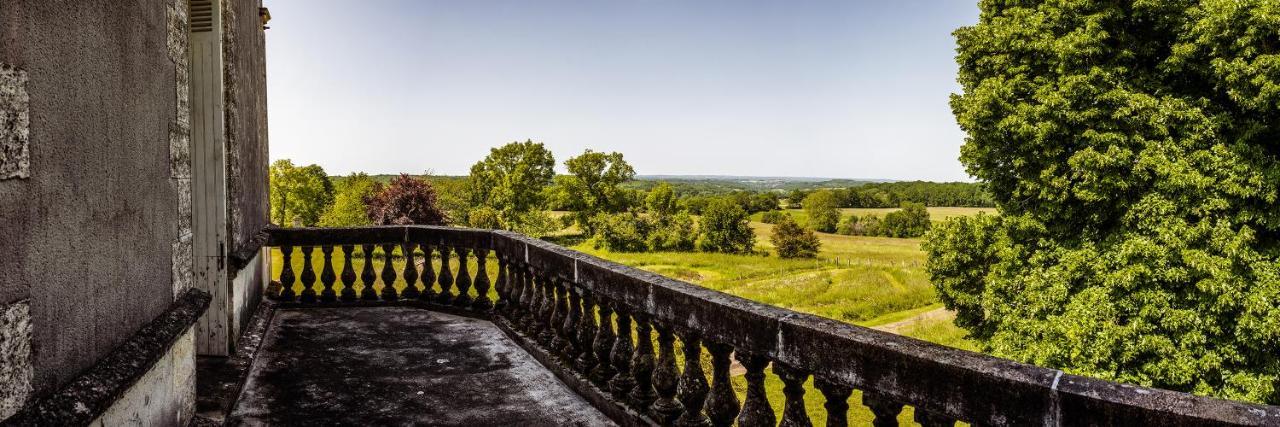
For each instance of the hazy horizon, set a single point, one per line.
(822, 89)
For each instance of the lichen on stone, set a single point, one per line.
(15, 123)
(15, 356)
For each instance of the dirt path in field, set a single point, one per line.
(935, 314)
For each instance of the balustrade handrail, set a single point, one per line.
(545, 288)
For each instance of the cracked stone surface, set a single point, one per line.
(400, 366)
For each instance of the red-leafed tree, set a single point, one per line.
(406, 201)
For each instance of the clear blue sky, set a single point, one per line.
(845, 89)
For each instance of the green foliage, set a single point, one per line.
(821, 207)
(960, 253)
(485, 217)
(848, 225)
(592, 186)
(621, 232)
(910, 221)
(725, 228)
(673, 233)
(661, 200)
(773, 217)
(534, 224)
(868, 225)
(299, 195)
(1130, 147)
(793, 241)
(348, 209)
(510, 180)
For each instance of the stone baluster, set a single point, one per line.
(586, 334)
(622, 382)
(569, 329)
(603, 345)
(428, 275)
(308, 276)
(886, 410)
(931, 419)
(642, 364)
(463, 299)
(446, 278)
(693, 387)
(756, 410)
(367, 276)
(410, 272)
(327, 276)
(793, 412)
(546, 310)
(348, 275)
(286, 273)
(666, 377)
(388, 273)
(482, 301)
(529, 302)
(516, 309)
(559, 315)
(503, 304)
(837, 403)
(722, 405)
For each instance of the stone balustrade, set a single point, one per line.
(610, 331)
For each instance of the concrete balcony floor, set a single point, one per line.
(399, 366)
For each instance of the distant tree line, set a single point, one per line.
(893, 194)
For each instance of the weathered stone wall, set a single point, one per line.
(15, 356)
(164, 396)
(90, 224)
(244, 48)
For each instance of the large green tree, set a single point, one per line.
(593, 185)
(299, 195)
(510, 181)
(821, 208)
(348, 209)
(1130, 147)
(725, 227)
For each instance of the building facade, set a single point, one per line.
(133, 168)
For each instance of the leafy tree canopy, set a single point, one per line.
(299, 195)
(510, 180)
(348, 209)
(592, 186)
(793, 241)
(1131, 150)
(821, 207)
(725, 228)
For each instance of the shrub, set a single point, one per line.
(406, 201)
(910, 221)
(773, 217)
(849, 226)
(621, 232)
(673, 233)
(484, 217)
(793, 241)
(725, 228)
